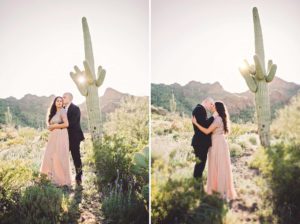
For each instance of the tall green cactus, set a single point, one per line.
(257, 79)
(172, 103)
(88, 84)
(8, 117)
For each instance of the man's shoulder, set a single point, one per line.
(74, 106)
(198, 107)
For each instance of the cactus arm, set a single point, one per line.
(81, 86)
(88, 49)
(88, 72)
(251, 83)
(259, 67)
(270, 63)
(259, 43)
(271, 73)
(101, 76)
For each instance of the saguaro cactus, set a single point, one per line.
(8, 117)
(172, 103)
(257, 79)
(88, 84)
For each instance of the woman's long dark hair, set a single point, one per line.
(53, 109)
(222, 111)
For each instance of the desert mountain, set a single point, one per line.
(240, 105)
(31, 110)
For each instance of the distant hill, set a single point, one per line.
(31, 110)
(240, 105)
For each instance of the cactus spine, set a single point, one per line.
(172, 103)
(257, 79)
(88, 84)
(8, 117)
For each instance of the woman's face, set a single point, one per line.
(59, 102)
(213, 108)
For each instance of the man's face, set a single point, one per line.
(210, 106)
(66, 98)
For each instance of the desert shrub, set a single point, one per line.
(180, 201)
(121, 206)
(237, 130)
(287, 123)
(113, 158)
(253, 139)
(27, 133)
(130, 121)
(122, 166)
(123, 180)
(41, 204)
(14, 176)
(280, 166)
(140, 169)
(235, 150)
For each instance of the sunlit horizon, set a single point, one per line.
(41, 42)
(207, 41)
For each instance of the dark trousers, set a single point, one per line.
(75, 151)
(201, 154)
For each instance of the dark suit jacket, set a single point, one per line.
(199, 138)
(74, 129)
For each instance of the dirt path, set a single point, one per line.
(85, 205)
(248, 202)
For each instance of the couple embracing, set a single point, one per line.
(209, 143)
(65, 135)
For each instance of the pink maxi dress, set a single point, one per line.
(219, 177)
(56, 161)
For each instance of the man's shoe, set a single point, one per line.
(78, 182)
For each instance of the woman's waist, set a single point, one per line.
(60, 129)
(218, 134)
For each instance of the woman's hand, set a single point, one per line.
(194, 120)
(51, 127)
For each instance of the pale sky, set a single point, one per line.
(41, 41)
(207, 41)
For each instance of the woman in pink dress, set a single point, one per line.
(56, 162)
(219, 177)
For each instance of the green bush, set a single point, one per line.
(113, 158)
(130, 121)
(235, 150)
(287, 124)
(280, 166)
(253, 140)
(140, 169)
(181, 201)
(41, 204)
(14, 177)
(123, 179)
(121, 165)
(122, 207)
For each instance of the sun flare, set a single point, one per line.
(81, 79)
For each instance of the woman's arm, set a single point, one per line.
(65, 123)
(206, 131)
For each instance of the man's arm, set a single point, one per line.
(209, 121)
(200, 115)
(74, 117)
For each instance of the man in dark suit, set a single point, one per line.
(75, 134)
(201, 142)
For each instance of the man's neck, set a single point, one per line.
(67, 106)
(204, 106)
